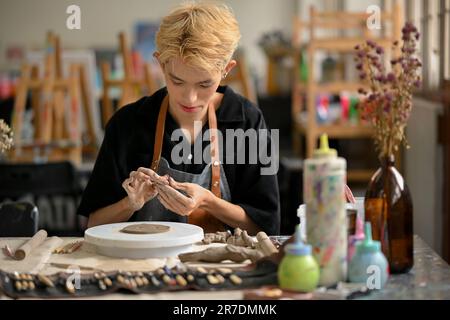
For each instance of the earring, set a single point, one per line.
(224, 75)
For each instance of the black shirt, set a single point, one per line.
(128, 145)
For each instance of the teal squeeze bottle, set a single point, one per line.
(298, 271)
(369, 265)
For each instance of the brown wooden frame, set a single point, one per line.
(445, 140)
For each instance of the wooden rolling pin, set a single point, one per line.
(34, 242)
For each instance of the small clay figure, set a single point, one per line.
(218, 237)
(241, 238)
(238, 238)
(265, 245)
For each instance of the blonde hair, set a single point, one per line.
(204, 35)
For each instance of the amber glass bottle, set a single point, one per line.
(388, 206)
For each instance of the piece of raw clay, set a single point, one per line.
(145, 228)
(218, 254)
(237, 250)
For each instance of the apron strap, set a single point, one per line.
(199, 217)
(215, 155)
(159, 135)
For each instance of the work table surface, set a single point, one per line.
(429, 278)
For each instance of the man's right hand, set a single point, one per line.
(139, 189)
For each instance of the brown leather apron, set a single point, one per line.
(199, 216)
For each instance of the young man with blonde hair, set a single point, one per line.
(138, 174)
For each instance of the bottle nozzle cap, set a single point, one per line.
(368, 232)
(324, 150)
(368, 245)
(298, 247)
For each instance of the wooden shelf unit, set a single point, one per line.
(339, 21)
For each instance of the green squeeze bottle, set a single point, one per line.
(298, 271)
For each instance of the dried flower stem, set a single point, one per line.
(387, 105)
(6, 137)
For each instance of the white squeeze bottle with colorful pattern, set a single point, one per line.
(324, 180)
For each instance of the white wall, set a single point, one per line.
(423, 172)
(25, 22)
(360, 5)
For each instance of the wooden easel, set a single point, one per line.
(89, 140)
(131, 85)
(57, 132)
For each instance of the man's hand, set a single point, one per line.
(172, 199)
(140, 189)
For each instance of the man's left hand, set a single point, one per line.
(193, 198)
